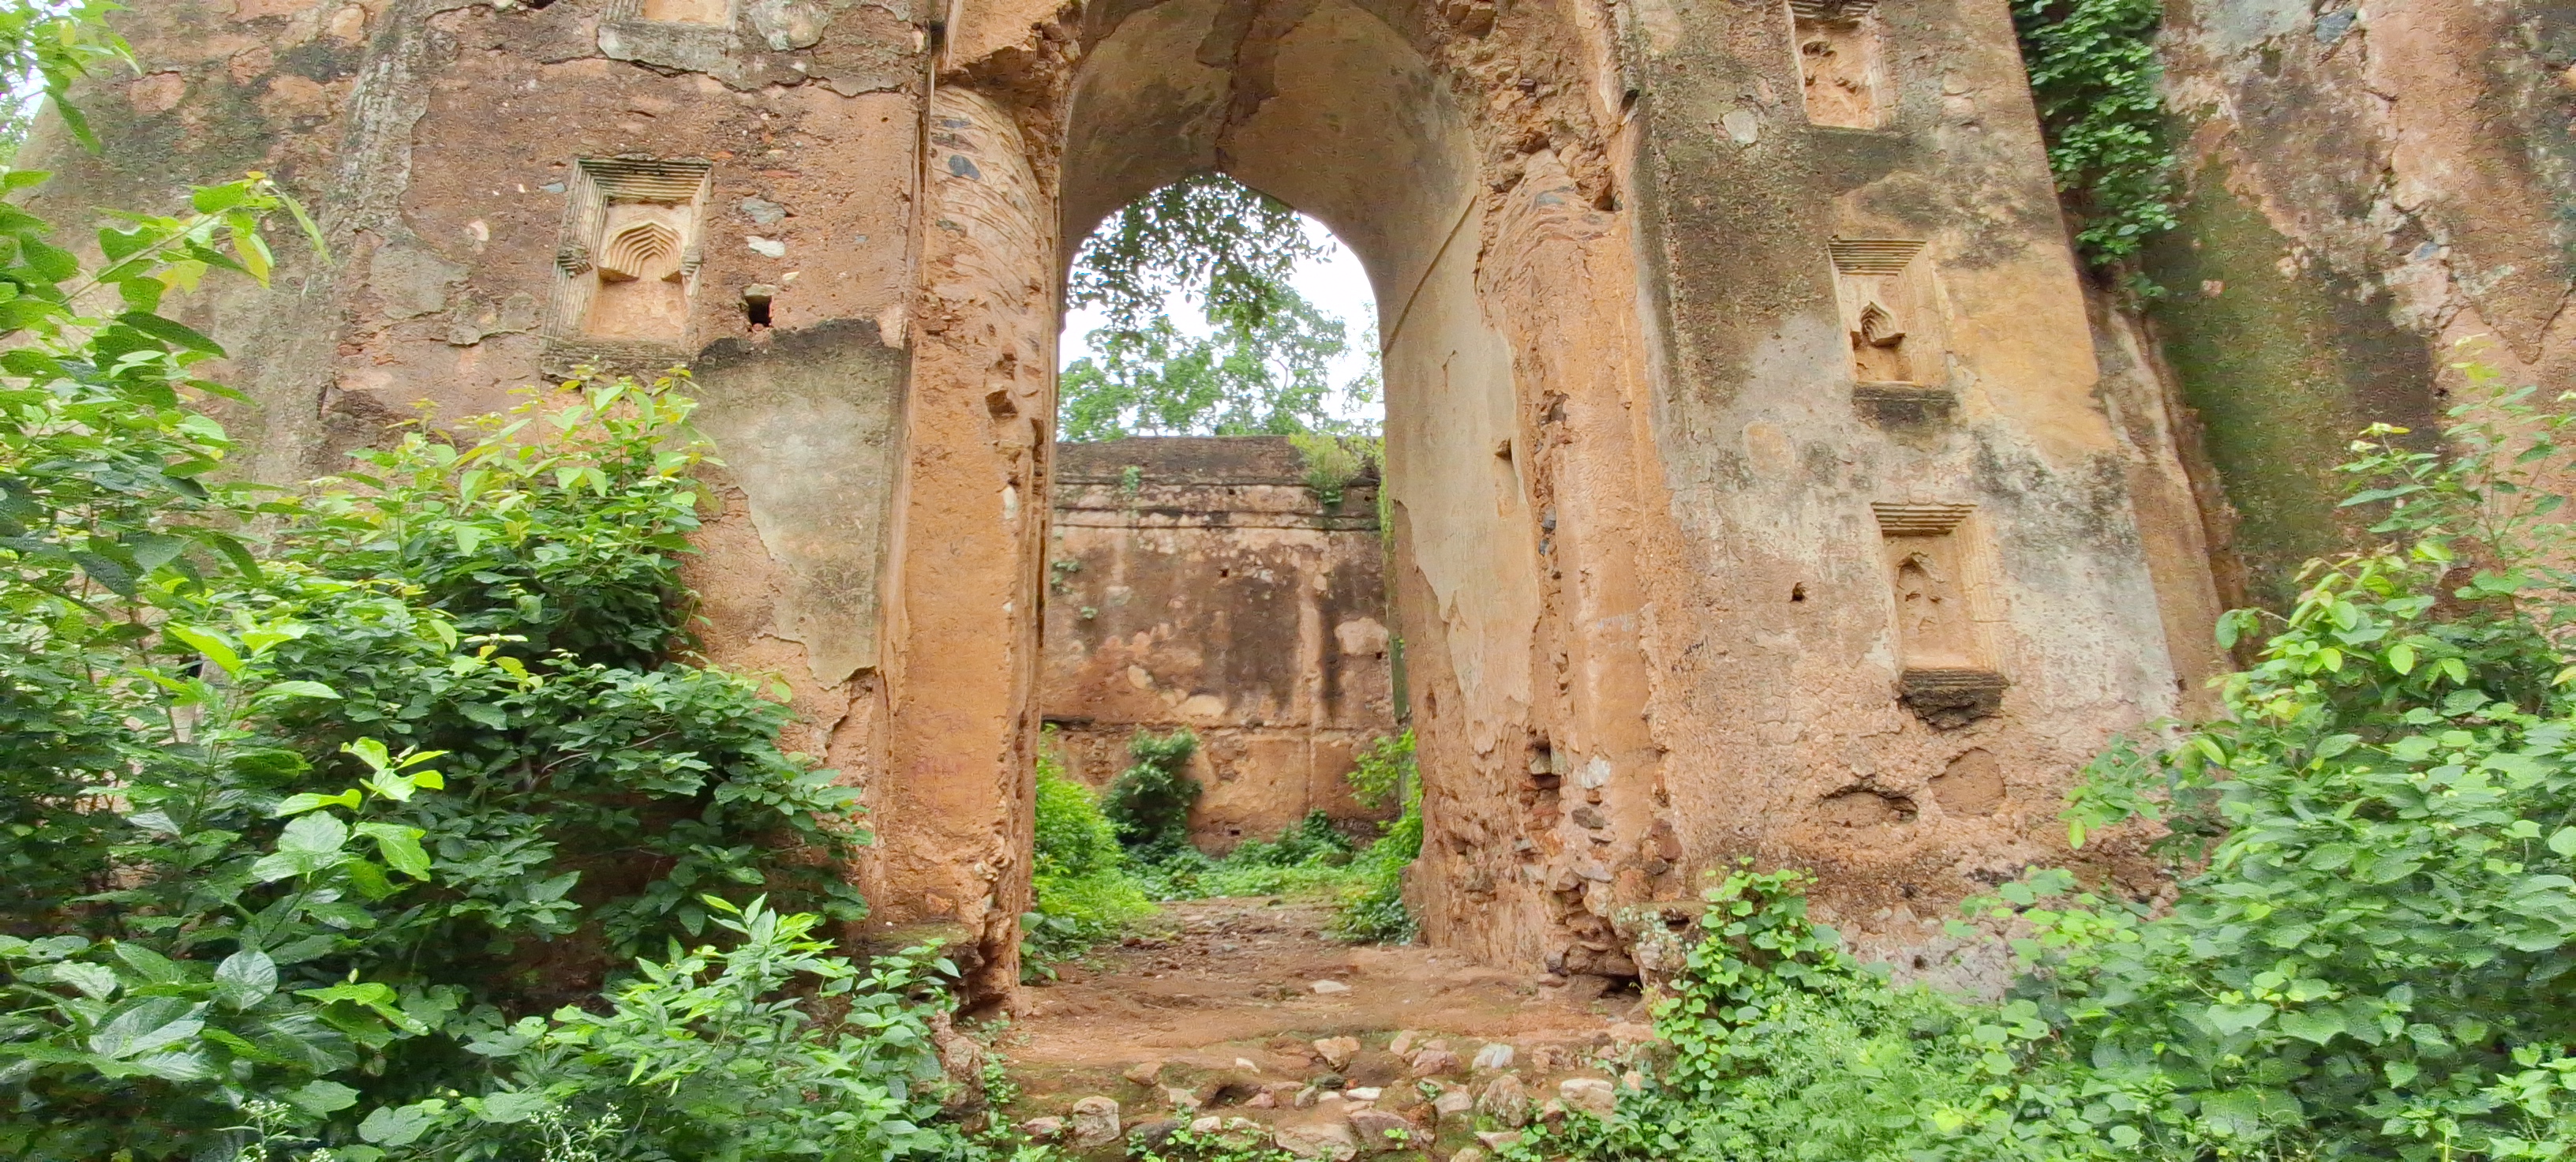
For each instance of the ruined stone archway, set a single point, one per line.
(1331, 112)
(1326, 106)
(1652, 486)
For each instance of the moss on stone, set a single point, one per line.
(2283, 371)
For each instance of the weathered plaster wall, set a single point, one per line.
(1778, 647)
(1665, 566)
(1215, 591)
(2368, 184)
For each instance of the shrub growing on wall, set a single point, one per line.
(1149, 802)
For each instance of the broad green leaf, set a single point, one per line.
(297, 689)
(213, 645)
(145, 1026)
(95, 981)
(244, 979)
(400, 1125)
(509, 1107)
(2234, 1019)
(2318, 1026)
(314, 835)
(400, 847)
(171, 333)
(321, 1097)
(298, 804)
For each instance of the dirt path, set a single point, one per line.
(1233, 1008)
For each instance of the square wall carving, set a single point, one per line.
(1944, 594)
(626, 269)
(1890, 309)
(1840, 62)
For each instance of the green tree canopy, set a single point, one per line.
(1266, 365)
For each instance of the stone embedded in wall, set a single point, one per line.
(716, 12)
(1840, 68)
(1940, 579)
(1904, 407)
(1889, 311)
(626, 270)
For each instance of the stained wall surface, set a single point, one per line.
(1199, 583)
(2373, 191)
(1763, 479)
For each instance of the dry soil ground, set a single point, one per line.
(1214, 1011)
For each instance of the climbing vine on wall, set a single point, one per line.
(2093, 73)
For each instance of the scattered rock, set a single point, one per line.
(1182, 1099)
(1306, 1097)
(1144, 1072)
(1366, 1093)
(1402, 1046)
(1495, 1056)
(1281, 1092)
(1499, 1139)
(1326, 988)
(762, 210)
(1506, 1101)
(1206, 1125)
(1434, 1062)
(1262, 1101)
(1095, 1122)
(1377, 1067)
(1042, 1129)
(1632, 1080)
(1247, 1065)
(1589, 1094)
(1330, 1140)
(1454, 1104)
(1468, 1154)
(1379, 1130)
(1631, 1033)
(962, 1058)
(1150, 1136)
(1337, 1051)
(1228, 1088)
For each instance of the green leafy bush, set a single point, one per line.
(1784, 1047)
(2093, 74)
(774, 1048)
(1372, 906)
(1149, 803)
(297, 827)
(1079, 873)
(1333, 461)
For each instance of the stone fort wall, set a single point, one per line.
(1200, 583)
(1765, 478)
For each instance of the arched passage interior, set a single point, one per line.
(1325, 107)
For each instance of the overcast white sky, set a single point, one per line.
(1337, 285)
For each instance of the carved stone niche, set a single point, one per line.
(626, 271)
(1840, 55)
(1890, 312)
(1904, 407)
(1943, 591)
(695, 35)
